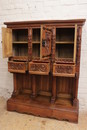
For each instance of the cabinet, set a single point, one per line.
(44, 57)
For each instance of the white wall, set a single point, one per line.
(24, 10)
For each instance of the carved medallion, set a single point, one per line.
(38, 67)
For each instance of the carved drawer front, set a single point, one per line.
(63, 70)
(17, 67)
(39, 68)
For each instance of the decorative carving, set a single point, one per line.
(53, 44)
(38, 67)
(30, 42)
(78, 44)
(78, 51)
(64, 69)
(16, 66)
(64, 60)
(19, 58)
(46, 42)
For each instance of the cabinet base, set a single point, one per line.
(43, 108)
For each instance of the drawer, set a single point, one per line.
(17, 67)
(39, 68)
(63, 70)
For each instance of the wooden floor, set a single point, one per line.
(18, 121)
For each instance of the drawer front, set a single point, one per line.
(17, 67)
(63, 70)
(39, 68)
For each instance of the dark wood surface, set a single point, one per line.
(73, 21)
(46, 84)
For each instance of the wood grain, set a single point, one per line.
(7, 42)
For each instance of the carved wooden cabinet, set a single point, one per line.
(44, 57)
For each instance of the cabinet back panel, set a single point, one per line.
(65, 85)
(20, 35)
(46, 83)
(20, 50)
(65, 34)
(64, 50)
(23, 81)
(43, 83)
(36, 50)
(36, 34)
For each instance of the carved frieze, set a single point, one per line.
(38, 67)
(30, 42)
(64, 60)
(16, 66)
(64, 69)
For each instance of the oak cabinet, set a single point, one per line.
(44, 57)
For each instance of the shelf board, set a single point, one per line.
(64, 42)
(20, 42)
(63, 102)
(35, 42)
(64, 99)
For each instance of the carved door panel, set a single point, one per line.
(46, 34)
(7, 42)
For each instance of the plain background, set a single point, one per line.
(26, 10)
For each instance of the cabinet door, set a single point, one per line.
(46, 34)
(7, 42)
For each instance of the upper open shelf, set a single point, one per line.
(64, 35)
(36, 42)
(65, 43)
(20, 36)
(36, 35)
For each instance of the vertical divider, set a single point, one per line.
(29, 43)
(34, 92)
(41, 42)
(75, 41)
(53, 90)
(16, 91)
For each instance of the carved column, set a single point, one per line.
(34, 89)
(30, 43)
(79, 32)
(53, 90)
(53, 44)
(16, 91)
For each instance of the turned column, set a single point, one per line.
(16, 91)
(75, 97)
(53, 90)
(34, 90)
